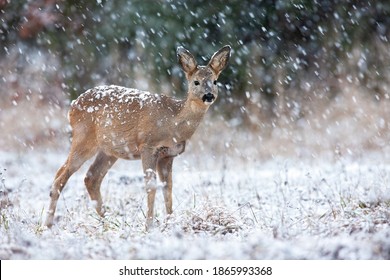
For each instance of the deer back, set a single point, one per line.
(123, 121)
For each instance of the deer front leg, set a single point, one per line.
(149, 162)
(164, 168)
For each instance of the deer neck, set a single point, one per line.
(189, 117)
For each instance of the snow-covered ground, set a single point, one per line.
(306, 176)
(225, 207)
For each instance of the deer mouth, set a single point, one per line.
(208, 98)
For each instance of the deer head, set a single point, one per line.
(202, 80)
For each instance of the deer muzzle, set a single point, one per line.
(208, 97)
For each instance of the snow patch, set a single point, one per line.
(117, 94)
(280, 209)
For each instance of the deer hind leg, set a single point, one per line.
(94, 178)
(80, 152)
(164, 169)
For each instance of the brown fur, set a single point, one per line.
(115, 122)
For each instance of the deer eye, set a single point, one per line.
(215, 82)
(196, 83)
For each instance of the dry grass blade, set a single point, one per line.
(214, 220)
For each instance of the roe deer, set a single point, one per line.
(116, 122)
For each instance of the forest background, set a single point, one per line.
(298, 68)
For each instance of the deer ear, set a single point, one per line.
(220, 59)
(186, 60)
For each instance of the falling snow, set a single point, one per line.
(291, 161)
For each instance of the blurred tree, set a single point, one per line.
(279, 46)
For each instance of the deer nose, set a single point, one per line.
(208, 97)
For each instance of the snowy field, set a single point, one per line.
(228, 204)
(291, 162)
